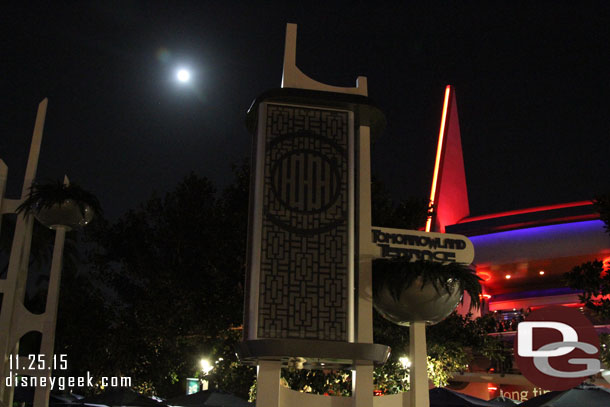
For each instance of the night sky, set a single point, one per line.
(532, 81)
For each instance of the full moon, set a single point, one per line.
(183, 75)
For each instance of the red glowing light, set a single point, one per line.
(569, 305)
(492, 388)
(541, 272)
(533, 223)
(507, 276)
(485, 276)
(528, 210)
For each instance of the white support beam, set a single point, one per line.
(10, 205)
(30, 171)
(362, 376)
(14, 285)
(268, 383)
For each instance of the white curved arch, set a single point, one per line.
(293, 77)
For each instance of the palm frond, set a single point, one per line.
(45, 195)
(399, 273)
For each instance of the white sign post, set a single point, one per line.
(429, 246)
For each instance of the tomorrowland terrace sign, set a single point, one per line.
(416, 245)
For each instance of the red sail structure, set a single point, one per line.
(448, 196)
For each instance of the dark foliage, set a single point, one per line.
(592, 277)
(85, 331)
(471, 335)
(594, 282)
(409, 213)
(229, 373)
(176, 268)
(602, 205)
(41, 249)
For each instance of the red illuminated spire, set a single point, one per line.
(448, 196)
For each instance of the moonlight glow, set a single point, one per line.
(183, 75)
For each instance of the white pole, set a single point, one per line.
(41, 395)
(419, 365)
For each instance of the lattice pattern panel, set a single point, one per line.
(305, 246)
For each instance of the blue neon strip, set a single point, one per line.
(539, 233)
(535, 293)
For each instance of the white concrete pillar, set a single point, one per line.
(362, 376)
(362, 386)
(42, 394)
(268, 383)
(12, 315)
(419, 365)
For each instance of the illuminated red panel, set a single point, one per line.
(563, 219)
(448, 194)
(528, 210)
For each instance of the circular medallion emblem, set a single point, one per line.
(305, 181)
